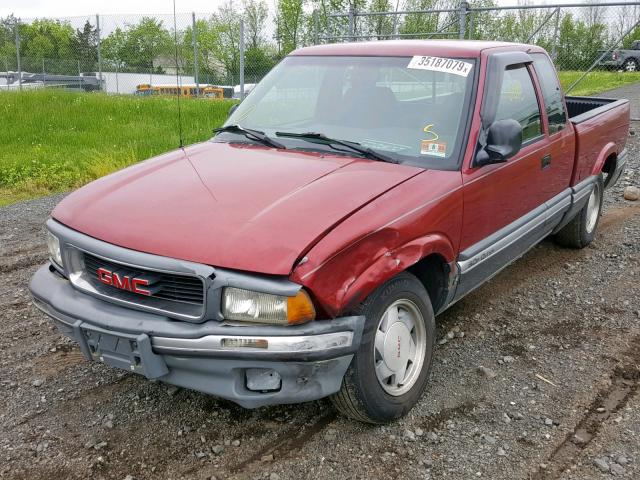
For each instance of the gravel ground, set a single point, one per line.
(536, 377)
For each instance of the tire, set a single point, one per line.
(362, 395)
(581, 230)
(630, 65)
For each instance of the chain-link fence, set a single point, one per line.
(192, 54)
(579, 37)
(226, 52)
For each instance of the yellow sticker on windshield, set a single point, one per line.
(434, 136)
(435, 149)
(439, 64)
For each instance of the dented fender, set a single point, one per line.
(340, 289)
(383, 239)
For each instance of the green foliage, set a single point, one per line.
(579, 42)
(422, 23)
(634, 35)
(289, 23)
(144, 43)
(60, 140)
(256, 13)
(85, 43)
(380, 26)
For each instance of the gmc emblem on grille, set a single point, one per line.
(123, 282)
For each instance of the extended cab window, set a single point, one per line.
(410, 108)
(551, 92)
(518, 101)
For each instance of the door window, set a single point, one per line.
(518, 101)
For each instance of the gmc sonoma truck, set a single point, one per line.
(304, 251)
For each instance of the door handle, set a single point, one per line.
(545, 161)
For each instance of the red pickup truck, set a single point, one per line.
(304, 251)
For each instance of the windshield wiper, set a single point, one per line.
(355, 146)
(256, 135)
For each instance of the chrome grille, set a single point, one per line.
(170, 292)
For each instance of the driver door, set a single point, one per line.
(504, 209)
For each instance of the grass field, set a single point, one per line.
(597, 81)
(55, 141)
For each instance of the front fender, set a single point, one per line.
(347, 278)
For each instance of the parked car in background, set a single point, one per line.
(626, 60)
(305, 250)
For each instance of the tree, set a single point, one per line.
(255, 17)
(114, 48)
(290, 21)
(419, 24)
(627, 17)
(8, 42)
(226, 50)
(146, 42)
(578, 43)
(381, 26)
(85, 44)
(258, 62)
(50, 40)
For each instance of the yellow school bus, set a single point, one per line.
(143, 89)
(206, 91)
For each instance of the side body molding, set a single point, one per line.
(483, 260)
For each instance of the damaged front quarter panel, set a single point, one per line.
(383, 239)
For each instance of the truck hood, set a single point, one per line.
(244, 207)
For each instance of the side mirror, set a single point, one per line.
(232, 109)
(504, 140)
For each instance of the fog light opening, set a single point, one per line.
(263, 380)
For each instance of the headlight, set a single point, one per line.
(55, 255)
(248, 306)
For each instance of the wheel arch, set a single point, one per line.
(609, 167)
(437, 276)
(606, 159)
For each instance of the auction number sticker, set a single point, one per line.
(439, 64)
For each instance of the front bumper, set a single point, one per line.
(296, 363)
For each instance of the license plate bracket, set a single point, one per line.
(121, 350)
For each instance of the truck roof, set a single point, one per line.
(453, 48)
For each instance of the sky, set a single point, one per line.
(28, 9)
(66, 8)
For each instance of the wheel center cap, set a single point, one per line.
(396, 346)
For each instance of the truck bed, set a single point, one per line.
(601, 125)
(584, 108)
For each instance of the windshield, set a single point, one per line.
(410, 108)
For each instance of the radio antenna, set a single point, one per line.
(175, 40)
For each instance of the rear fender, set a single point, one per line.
(345, 280)
(608, 150)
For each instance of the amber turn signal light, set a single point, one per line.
(300, 308)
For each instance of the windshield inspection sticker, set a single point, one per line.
(438, 64)
(435, 149)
